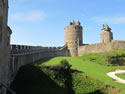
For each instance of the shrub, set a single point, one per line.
(65, 64)
(83, 84)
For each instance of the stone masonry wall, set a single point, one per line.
(73, 37)
(4, 46)
(22, 58)
(101, 47)
(19, 59)
(15, 49)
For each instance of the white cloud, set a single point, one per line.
(29, 16)
(111, 20)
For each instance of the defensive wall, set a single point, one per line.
(101, 47)
(15, 49)
(23, 54)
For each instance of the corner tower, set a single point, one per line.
(106, 34)
(73, 37)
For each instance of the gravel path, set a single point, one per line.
(117, 79)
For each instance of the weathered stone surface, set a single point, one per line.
(4, 45)
(106, 34)
(101, 47)
(1, 27)
(73, 37)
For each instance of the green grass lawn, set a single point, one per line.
(93, 65)
(92, 69)
(121, 76)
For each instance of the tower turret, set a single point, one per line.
(106, 34)
(78, 23)
(73, 37)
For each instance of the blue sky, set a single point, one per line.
(42, 22)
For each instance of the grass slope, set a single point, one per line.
(121, 76)
(95, 65)
(92, 69)
(32, 80)
(41, 80)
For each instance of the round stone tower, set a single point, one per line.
(106, 34)
(73, 37)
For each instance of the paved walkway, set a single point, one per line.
(112, 75)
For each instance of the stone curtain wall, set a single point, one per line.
(22, 55)
(16, 49)
(101, 47)
(118, 44)
(94, 48)
(21, 59)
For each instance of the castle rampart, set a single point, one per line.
(15, 49)
(23, 54)
(101, 47)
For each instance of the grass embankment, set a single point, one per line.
(44, 80)
(93, 68)
(121, 76)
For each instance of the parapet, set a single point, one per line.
(106, 28)
(16, 49)
(118, 41)
(74, 25)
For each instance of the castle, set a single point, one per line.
(12, 57)
(73, 40)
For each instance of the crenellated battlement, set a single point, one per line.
(16, 49)
(73, 26)
(106, 28)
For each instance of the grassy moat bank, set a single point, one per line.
(87, 75)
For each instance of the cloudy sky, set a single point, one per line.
(42, 22)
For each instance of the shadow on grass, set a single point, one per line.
(96, 92)
(67, 74)
(69, 84)
(32, 80)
